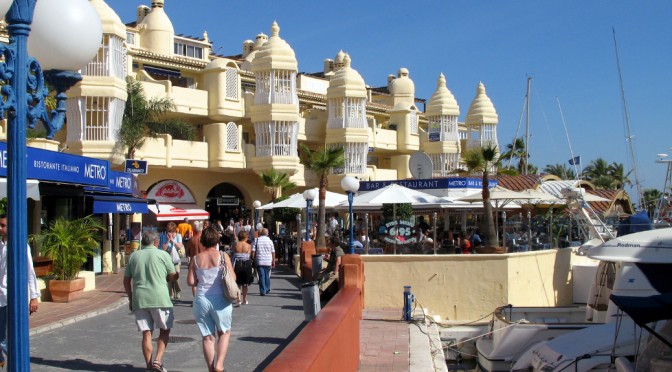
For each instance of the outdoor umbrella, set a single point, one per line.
(500, 197)
(397, 194)
(297, 201)
(538, 197)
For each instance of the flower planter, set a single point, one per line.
(66, 290)
(43, 266)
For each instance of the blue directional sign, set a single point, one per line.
(136, 166)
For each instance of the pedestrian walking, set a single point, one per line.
(146, 279)
(242, 265)
(32, 286)
(212, 311)
(173, 245)
(263, 254)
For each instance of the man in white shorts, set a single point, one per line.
(146, 282)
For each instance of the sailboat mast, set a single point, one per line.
(629, 138)
(527, 125)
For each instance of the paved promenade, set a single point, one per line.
(97, 333)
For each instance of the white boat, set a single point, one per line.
(639, 266)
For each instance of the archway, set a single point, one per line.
(224, 202)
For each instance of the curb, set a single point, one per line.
(62, 323)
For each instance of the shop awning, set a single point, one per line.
(32, 189)
(175, 212)
(118, 204)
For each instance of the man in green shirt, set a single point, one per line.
(146, 282)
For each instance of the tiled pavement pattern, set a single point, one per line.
(384, 341)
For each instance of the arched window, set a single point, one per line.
(232, 137)
(232, 83)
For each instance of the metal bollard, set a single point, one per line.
(408, 299)
(310, 293)
(316, 265)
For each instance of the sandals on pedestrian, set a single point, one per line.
(158, 367)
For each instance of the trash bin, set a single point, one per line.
(310, 292)
(316, 265)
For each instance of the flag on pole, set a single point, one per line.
(575, 160)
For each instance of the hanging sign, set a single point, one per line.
(136, 166)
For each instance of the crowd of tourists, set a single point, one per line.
(152, 273)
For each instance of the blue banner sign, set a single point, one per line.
(60, 167)
(119, 183)
(136, 166)
(430, 183)
(120, 205)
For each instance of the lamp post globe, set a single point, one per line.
(65, 35)
(4, 7)
(58, 65)
(350, 185)
(309, 195)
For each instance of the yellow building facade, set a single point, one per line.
(252, 111)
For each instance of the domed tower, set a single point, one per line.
(347, 125)
(156, 31)
(250, 50)
(404, 113)
(481, 121)
(443, 145)
(95, 106)
(275, 112)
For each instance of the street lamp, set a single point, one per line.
(67, 35)
(350, 185)
(309, 195)
(256, 204)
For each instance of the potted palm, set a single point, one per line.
(69, 243)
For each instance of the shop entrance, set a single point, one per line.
(224, 202)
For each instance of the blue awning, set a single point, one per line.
(118, 204)
(162, 71)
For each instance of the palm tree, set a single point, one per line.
(560, 170)
(617, 173)
(275, 183)
(650, 202)
(146, 118)
(597, 168)
(321, 162)
(516, 150)
(483, 160)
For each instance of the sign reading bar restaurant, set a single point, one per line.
(430, 183)
(60, 167)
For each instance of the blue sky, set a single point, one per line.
(566, 46)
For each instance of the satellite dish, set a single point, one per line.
(420, 165)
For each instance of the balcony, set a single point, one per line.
(188, 102)
(382, 139)
(166, 152)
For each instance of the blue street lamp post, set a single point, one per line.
(350, 185)
(255, 205)
(309, 195)
(56, 22)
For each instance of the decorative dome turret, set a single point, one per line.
(253, 48)
(275, 54)
(402, 90)
(347, 125)
(275, 112)
(442, 145)
(112, 24)
(481, 120)
(156, 30)
(346, 82)
(481, 110)
(442, 101)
